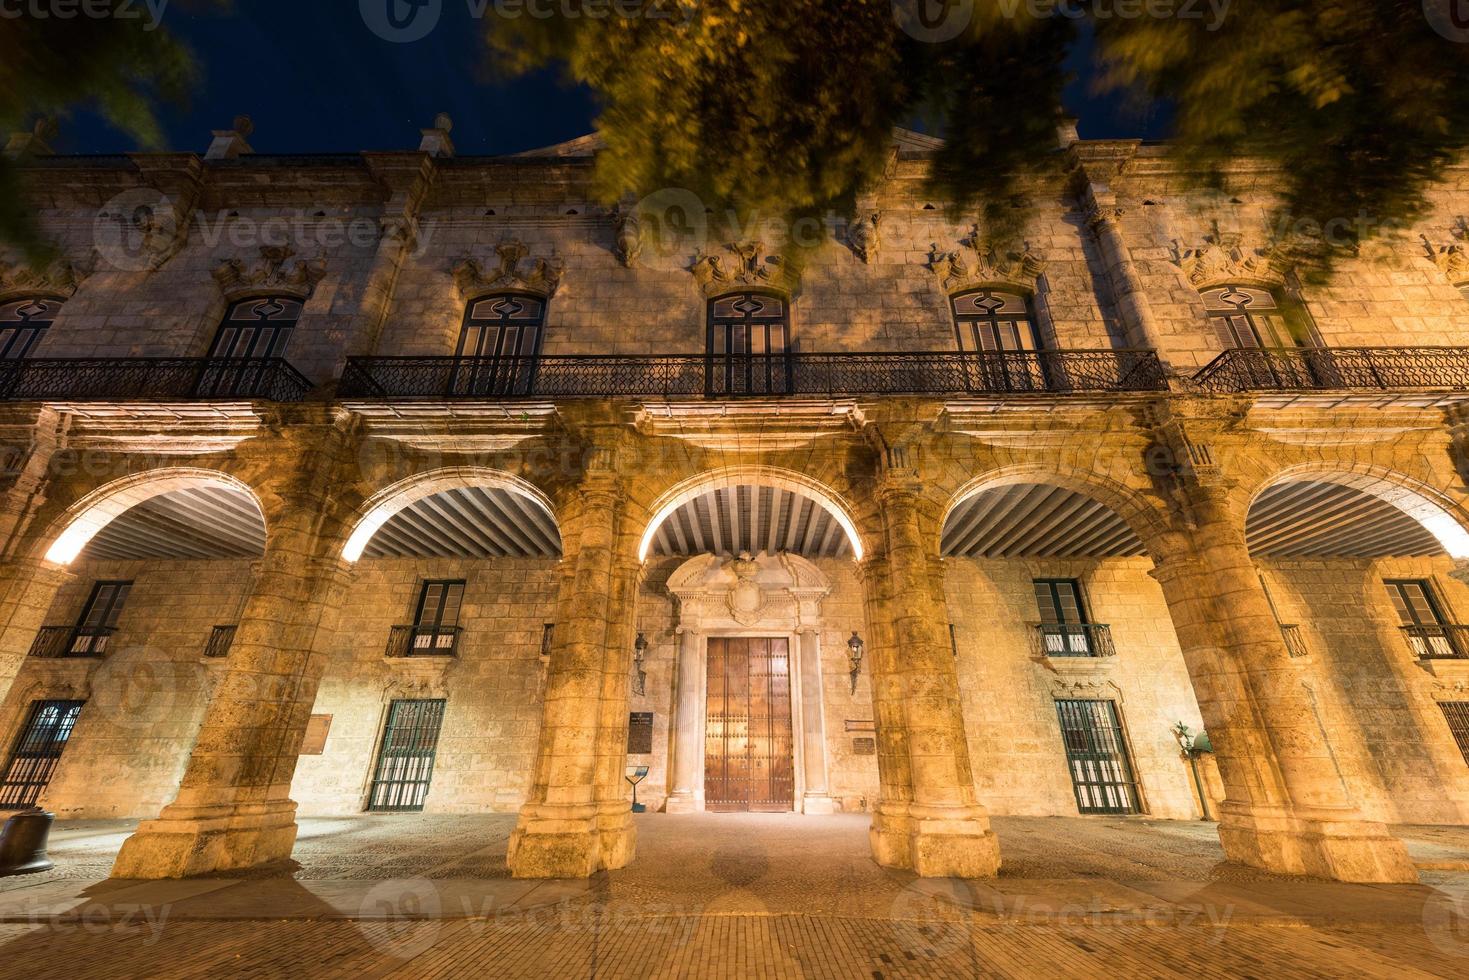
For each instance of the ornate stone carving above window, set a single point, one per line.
(979, 263)
(277, 271)
(627, 242)
(864, 237)
(746, 266)
(60, 277)
(1452, 258)
(540, 276)
(1229, 257)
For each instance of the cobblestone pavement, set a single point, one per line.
(734, 896)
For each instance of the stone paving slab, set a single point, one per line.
(722, 947)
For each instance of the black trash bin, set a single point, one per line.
(23, 843)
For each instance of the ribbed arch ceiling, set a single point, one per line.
(1315, 519)
(203, 522)
(746, 517)
(469, 522)
(1037, 520)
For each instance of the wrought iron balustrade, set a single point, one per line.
(59, 642)
(1336, 369)
(1074, 640)
(422, 641)
(1295, 643)
(151, 379)
(726, 375)
(220, 640)
(1438, 642)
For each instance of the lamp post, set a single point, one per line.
(1194, 746)
(854, 657)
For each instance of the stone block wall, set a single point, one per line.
(146, 698)
(1390, 739)
(1015, 741)
(487, 743)
(1394, 293)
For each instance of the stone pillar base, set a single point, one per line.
(188, 841)
(817, 804)
(682, 803)
(1323, 844)
(936, 842)
(571, 841)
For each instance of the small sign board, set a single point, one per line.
(864, 746)
(316, 731)
(640, 733)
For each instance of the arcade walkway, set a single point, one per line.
(736, 896)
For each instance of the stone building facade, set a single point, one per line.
(409, 481)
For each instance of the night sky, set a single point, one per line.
(316, 79)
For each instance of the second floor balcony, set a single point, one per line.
(422, 641)
(67, 379)
(1337, 369)
(1438, 641)
(754, 375)
(60, 642)
(1073, 639)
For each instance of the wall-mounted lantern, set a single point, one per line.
(854, 657)
(640, 677)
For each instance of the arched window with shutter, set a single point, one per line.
(499, 345)
(749, 343)
(998, 328)
(23, 322)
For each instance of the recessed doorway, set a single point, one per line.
(748, 746)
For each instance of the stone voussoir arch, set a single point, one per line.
(381, 506)
(1441, 516)
(838, 505)
(1136, 506)
(64, 538)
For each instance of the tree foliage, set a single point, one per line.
(120, 66)
(787, 106)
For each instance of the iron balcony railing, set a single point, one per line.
(220, 639)
(1438, 642)
(151, 379)
(1074, 640)
(59, 642)
(722, 376)
(422, 641)
(1295, 643)
(1336, 369)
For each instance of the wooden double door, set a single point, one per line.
(748, 745)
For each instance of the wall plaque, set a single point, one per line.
(640, 733)
(864, 746)
(316, 730)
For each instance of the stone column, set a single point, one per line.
(573, 826)
(28, 587)
(233, 808)
(688, 729)
(817, 798)
(927, 818)
(1103, 216)
(1287, 807)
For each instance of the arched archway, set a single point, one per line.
(458, 512)
(1322, 512)
(751, 509)
(1357, 565)
(176, 512)
(1031, 512)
